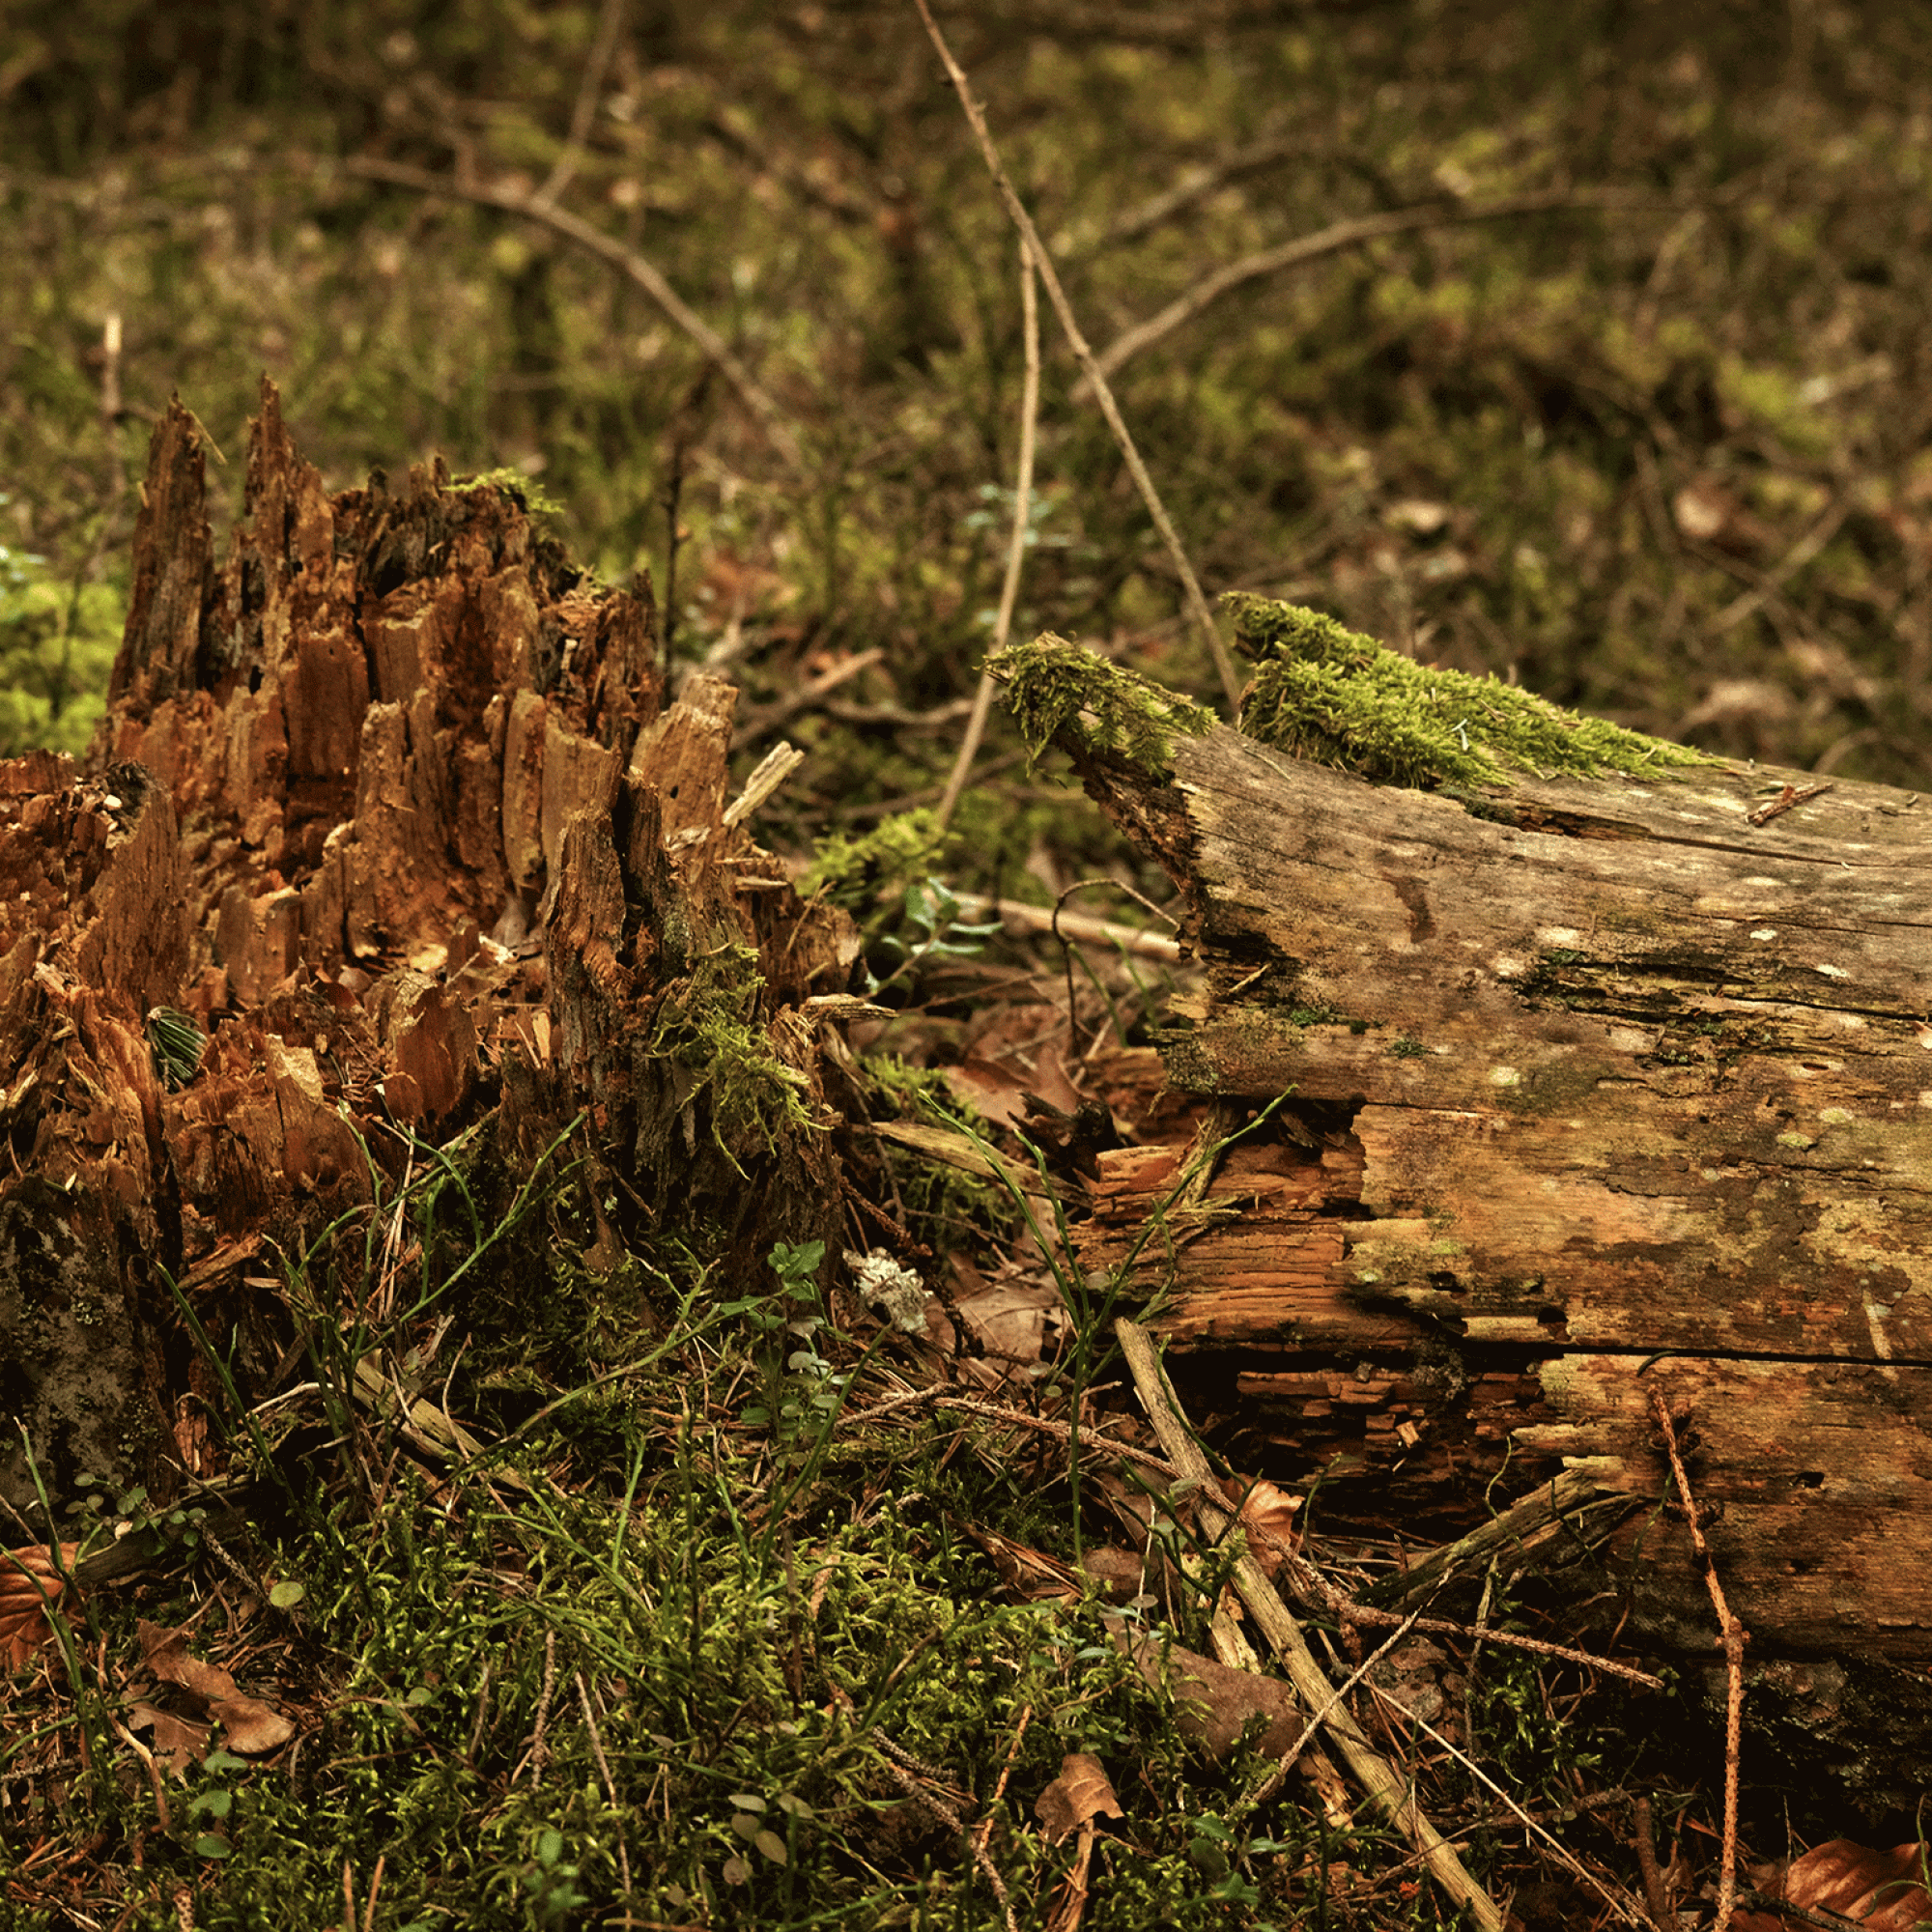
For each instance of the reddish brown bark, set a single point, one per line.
(390, 803)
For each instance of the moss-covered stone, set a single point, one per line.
(1333, 695)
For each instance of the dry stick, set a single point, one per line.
(609, 1789)
(1349, 234)
(1010, 590)
(1654, 1894)
(1733, 1634)
(586, 110)
(645, 274)
(1195, 186)
(1377, 1777)
(1614, 1900)
(1197, 605)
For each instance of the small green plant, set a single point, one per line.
(176, 1043)
(933, 930)
(551, 1881)
(801, 1385)
(130, 1514)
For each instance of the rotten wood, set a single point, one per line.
(392, 805)
(1595, 1088)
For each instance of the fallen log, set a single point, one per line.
(1567, 1088)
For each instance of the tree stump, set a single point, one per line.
(391, 808)
(1592, 1087)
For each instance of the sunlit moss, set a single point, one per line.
(1330, 694)
(1054, 687)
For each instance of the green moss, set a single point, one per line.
(1331, 695)
(851, 873)
(710, 1029)
(520, 489)
(1058, 690)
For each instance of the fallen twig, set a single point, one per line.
(1379, 1778)
(1010, 590)
(645, 274)
(1351, 234)
(1732, 1635)
(1197, 604)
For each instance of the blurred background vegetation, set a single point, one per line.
(1659, 448)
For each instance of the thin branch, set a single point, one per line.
(1376, 1775)
(588, 91)
(1732, 1634)
(1009, 591)
(647, 275)
(1351, 234)
(1197, 604)
(1195, 185)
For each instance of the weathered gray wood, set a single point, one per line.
(1598, 1087)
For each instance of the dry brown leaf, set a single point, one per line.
(178, 1742)
(1881, 1891)
(1010, 1321)
(251, 1726)
(1030, 1573)
(1213, 1702)
(1080, 1794)
(1268, 1513)
(30, 1586)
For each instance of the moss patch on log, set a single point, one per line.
(1059, 691)
(1334, 697)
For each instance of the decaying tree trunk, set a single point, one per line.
(390, 807)
(1597, 1088)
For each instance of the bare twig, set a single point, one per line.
(1807, 545)
(1197, 604)
(1194, 186)
(643, 272)
(588, 91)
(1351, 234)
(1654, 1894)
(1732, 1636)
(1377, 1777)
(1617, 1903)
(1361, 1614)
(906, 1770)
(609, 1786)
(1010, 590)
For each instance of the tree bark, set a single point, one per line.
(1594, 1088)
(390, 804)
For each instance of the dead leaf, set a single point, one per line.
(1030, 1573)
(1267, 1513)
(1122, 1574)
(1080, 1794)
(30, 1586)
(1009, 1320)
(178, 1742)
(1881, 1891)
(1214, 1703)
(251, 1726)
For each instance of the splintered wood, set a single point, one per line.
(1592, 1087)
(390, 806)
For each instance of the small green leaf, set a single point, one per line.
(288, 1593)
